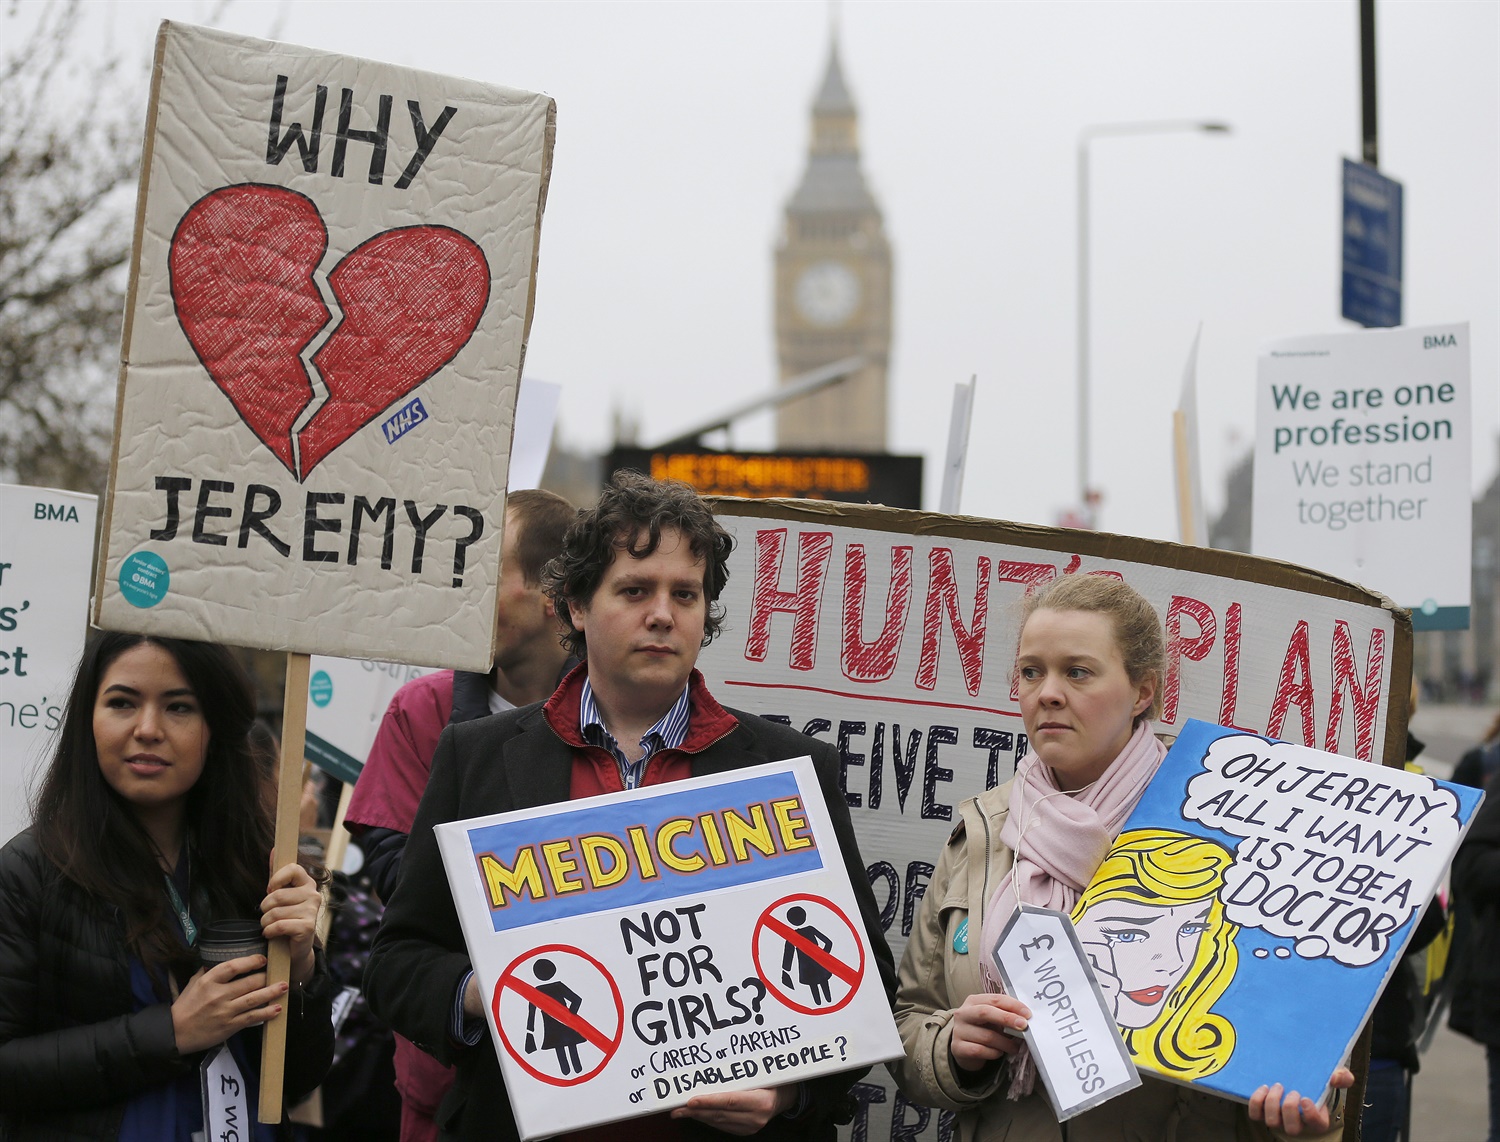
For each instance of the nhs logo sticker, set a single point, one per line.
(402, 422)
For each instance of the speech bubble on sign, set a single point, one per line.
(1331, 849)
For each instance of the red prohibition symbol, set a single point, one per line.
(801, 948)
(550, 1022)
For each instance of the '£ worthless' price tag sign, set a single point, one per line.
(1072, 1034)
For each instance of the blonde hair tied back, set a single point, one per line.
(1137, 627)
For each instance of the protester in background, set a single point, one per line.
(357, 1100)
(1473, 920)
(1481, 763)
(1476, 994)
(1400, 1015)
(638, 584)
(529, 662)
(152, 821)
(1088, 670)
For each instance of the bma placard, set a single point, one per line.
(331, 290)
(1362, 463)
(44, 597)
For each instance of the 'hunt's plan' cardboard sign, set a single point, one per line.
(330, 295)
(891, 634)
(637, 949)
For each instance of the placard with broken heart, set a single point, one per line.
(330, 295)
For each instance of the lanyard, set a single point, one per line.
(189, 929)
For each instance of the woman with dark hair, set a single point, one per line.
(152, 821)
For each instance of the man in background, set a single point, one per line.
(530, 660)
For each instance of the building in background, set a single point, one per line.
(833, 285)
(1459, 665)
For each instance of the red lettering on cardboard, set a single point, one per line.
(1195, 649)
(942, 597)
(1032, 574)
(1294, 687)
(1365, 698)
(803, 602)
(1231, 693)
(874, 661)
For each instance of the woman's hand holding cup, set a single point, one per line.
(223, 999)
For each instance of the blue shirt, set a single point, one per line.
(668, 733)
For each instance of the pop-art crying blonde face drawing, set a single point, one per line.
(1154, 928)
(1141, 953)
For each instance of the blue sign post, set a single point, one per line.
(1372, 246)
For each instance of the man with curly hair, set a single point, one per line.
(637, 586)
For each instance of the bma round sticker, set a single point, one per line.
(320, 689)
(144, 579)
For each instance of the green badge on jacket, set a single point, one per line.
(961, 937)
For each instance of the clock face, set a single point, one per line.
(827, 293)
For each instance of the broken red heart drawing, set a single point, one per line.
(243, 264)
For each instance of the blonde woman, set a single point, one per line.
(1088, 671)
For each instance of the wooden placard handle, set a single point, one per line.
(333, 859)
(1183, 467)
(288, 812)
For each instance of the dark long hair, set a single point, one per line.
(88, 831)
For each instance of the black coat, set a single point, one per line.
(514, 761)
(1476, 891)
(1401, 1011)
(72, 1050)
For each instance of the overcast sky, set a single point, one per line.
(681, 129)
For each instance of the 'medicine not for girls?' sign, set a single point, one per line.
(640, 948)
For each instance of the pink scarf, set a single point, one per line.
(1065, 838)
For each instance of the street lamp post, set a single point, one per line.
(1086, 136)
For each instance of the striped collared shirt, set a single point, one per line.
(669, 733)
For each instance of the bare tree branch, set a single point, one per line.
(69, 146)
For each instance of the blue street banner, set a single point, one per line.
(1372, 247)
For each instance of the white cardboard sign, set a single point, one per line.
(1363, 463)
(891, 634)
(346, 700)
(44, 598)
(331, 290)
(639, 948)
(1072, 1035)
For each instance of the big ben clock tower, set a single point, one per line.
(833, 285)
